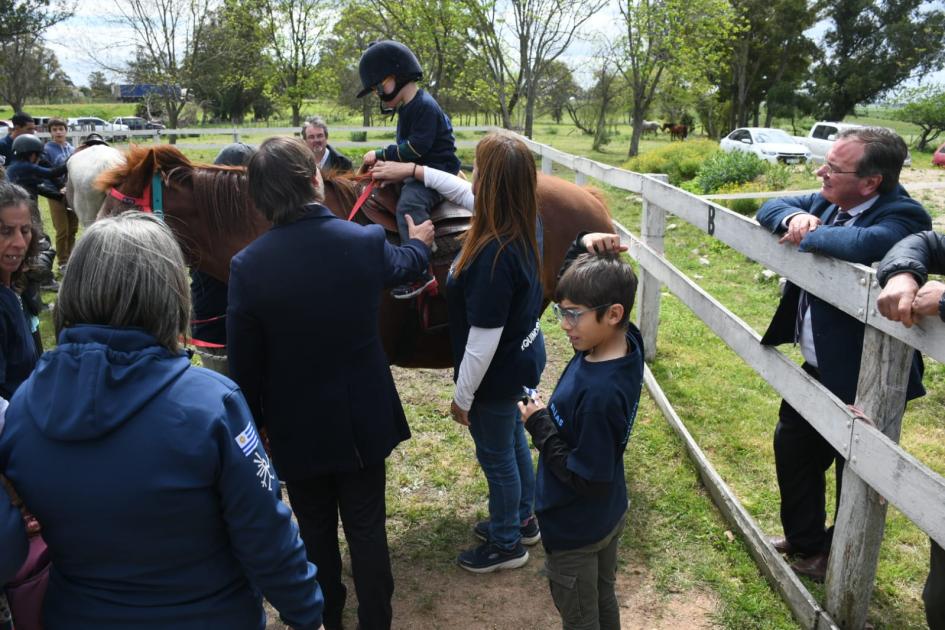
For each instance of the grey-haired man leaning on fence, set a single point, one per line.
(907, 297)
(860, 212)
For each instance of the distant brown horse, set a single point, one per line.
(676, 132)
(209, 210)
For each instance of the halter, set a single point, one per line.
(151, 199)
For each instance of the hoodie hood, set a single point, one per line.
(96, 379)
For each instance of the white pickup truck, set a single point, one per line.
(822, 136)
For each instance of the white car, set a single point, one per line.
(772, 145)
(88, 124)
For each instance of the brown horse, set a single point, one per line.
(209, 210)
(676, 132)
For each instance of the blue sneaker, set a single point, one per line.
(487, 558)
(529, 531)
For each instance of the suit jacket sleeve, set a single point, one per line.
(866, 245)
(405, 263)
(773, 212)
(245, 347)
(919, 254)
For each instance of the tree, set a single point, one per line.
(769, 49)
(872, 47)
(539, 31)
(293, 29)
(166, 33)
(555, 88)
(30, 18)
(230, 76)
(99, 85)
(358, 26)
(662, 35)
(27, 70)
(924, 107)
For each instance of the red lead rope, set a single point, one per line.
(364, 197)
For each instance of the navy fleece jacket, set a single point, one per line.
(157, 500)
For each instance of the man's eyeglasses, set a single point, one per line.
(830, 169)
(572, 315)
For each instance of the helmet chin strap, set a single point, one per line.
(382, 96)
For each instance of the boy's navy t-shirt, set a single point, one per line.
(498, 292)
(593, 407)
(429, 133)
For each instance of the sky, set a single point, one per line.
(95, 37)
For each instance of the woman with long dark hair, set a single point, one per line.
(495, 299)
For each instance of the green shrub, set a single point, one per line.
(723, 168)
(551, 131)
(679, 160)
(777, 176)
(747, 207)
(358, 136)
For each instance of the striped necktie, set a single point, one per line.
(839, 220)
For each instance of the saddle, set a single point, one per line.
(450, 222)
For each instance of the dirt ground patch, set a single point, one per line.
(426, 598)
(934, 198)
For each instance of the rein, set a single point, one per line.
(151, 199)
(365, 194)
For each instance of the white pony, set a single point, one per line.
(84, 167)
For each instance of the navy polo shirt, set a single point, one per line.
(593, 407)
(500, 288)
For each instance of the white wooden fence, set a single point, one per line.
(251, 134)
(876, 466)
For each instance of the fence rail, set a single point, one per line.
(876, 465)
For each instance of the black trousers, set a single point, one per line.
(801, 458)
(359, 498)
(934, 593)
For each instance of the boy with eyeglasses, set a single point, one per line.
(581, 493)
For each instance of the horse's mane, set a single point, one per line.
(344, 185)
(220, 192)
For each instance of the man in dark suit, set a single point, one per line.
(315, 134)
(304, 346)
(860, 212)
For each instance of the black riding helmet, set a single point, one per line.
(387, 58)
(26, 144)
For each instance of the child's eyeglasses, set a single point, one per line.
(572, 315)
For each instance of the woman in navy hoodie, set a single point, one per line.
(158, 502)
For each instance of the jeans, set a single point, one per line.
(506, 460)
(416, 200)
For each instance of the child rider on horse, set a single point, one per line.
(424, 135)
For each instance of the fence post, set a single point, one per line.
(236, 135)
(861, 519)
(648, 291)
(546, 165)
(580, 178)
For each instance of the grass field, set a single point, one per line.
(675, 540)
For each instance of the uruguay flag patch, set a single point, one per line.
(248, 439)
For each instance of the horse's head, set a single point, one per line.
(207, 207)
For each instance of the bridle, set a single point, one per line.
(151, 200)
